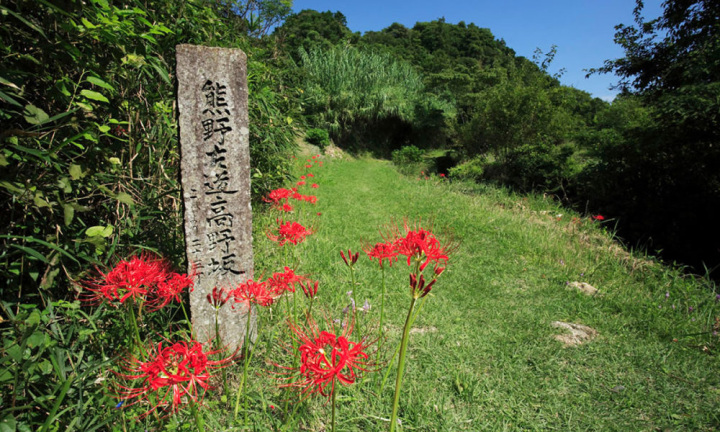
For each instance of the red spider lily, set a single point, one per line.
(420, 244)
(326, 358)
(277, 197)
(284, 282)
(308, 166)
(599, 217)
(309, 289)
(302, 177)
(218, 297)
(383, 251)
(301, 183)
(351, 259)
(178, 374)
(289, 232)
(287, 208)
(170, 289)
(253, 292)
(134, 278)
(314, 186)
(300, 197)
(310, 175)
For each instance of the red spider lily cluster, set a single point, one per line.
(418, 245)
(261, 293)
(253, 292)
(289, 232)
(283, 282)
(144, 279)
(325, 359)
(279, 199)
(175, 374)
(382, 251)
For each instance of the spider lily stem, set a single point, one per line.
(401, 364)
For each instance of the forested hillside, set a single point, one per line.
(648, 161)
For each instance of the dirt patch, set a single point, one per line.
(579, 333)
(583, 287)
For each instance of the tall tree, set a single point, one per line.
(667, 171)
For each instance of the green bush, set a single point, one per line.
(472, 169)
(319, 137)
(407, 155)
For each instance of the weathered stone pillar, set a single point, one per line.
(215, 166)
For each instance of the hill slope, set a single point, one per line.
(484, 355)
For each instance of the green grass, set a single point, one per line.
(485, 358)
(482, 355)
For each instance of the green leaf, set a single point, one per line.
(35, 339)
(94, 96)
(47, 280)
(161, 71)
(9, 100)
(100, 83)
(45, 367)
(64, 184)
(8, 424)
(8, 83)
(94, 231)
(104, 128)
(69, 214)
(15, 188)
(31, 252)
(34, 318)
(14, 352)
(99, 231)
(40, 201)
(24, 21)
(42, 242)
(87, 23)
(76, 172)
(125, 198)
(84, 106)
(3, 161)
(35, 115)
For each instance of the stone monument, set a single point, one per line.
(215, 167)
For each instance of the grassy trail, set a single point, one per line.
(483, 355)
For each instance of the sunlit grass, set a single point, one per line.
(482, 354)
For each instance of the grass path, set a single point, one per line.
(484, 355)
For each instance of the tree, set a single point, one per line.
(667, 170)
(256, 17)
(312, 29)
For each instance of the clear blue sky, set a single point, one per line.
(583, 30)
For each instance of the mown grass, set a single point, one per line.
(482, 355)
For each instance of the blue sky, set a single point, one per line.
(583, 30)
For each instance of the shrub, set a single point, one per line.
(472, 169)
(407, 155)
(319, 137)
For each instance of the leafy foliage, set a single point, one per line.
(362, 97)
(90, 164)
(319, 137)
(661, 177)
(407, 155)
(311, 29)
